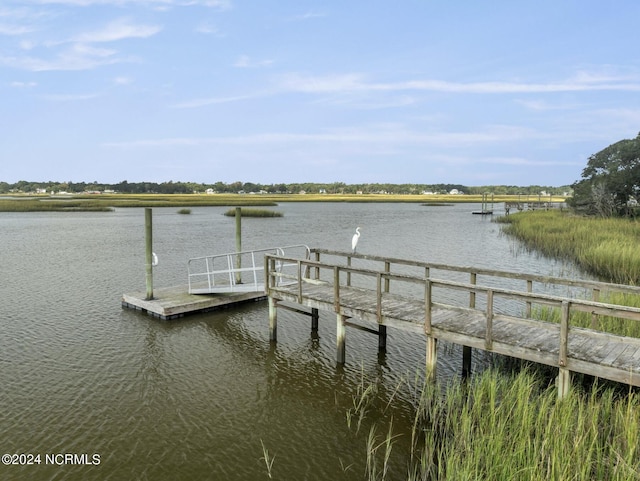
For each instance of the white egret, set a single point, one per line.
(354, 240)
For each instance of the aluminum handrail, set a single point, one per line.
(235, 271)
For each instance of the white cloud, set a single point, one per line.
(208, 29)
(374, 135)
(70, 97)
(77, 57)
(23, 85)
(14, 30)
(119, 29)
(211, 101)
(122, 81)
(244, 61)
(357, 83)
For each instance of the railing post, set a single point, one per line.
(317, 268)
(528, 305)
(387, 280)
(564, 375)
(595, 296)
(379, 297)
(299, 282)
(466, 350)
(432, 342)
(427, 307)
(336, 289)
(488, 342)
(472, 294)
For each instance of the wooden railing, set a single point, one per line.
(499, 302)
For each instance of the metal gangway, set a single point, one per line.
(244, 271)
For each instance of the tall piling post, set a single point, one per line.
(148, 229)
(238, 244)
(273, 320)
(340, 339)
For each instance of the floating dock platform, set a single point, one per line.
(174, 302)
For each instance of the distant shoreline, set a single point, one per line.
(107, 202)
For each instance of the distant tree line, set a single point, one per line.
(171, 187)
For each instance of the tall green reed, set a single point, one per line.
(607, 248)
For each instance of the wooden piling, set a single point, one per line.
(466, 362)
(382, 337)
(340, 338)
(273, 320)
(238, 244)
(315, 316)
(148, 229)
(432, 357)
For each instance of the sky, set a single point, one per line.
(498, 92)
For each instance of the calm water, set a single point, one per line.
(199, 398)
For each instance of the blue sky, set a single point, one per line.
(270, 91)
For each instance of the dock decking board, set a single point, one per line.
(174, 302)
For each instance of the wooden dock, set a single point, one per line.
(491, 310)
(174, 302)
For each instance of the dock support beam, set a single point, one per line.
(315, 316)
(382, 338)
(273, 320)
(432, 355)
(563, 382)
(466, 362)
(341, 332)
(238, 244)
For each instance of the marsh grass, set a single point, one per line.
(184, 211)
(268, 460)
(108, 201)
(607, 248)
(609, 324)
(499, 426)
(244, 212)
(52, 205)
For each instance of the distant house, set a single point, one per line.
(455, 192)
(210, 191)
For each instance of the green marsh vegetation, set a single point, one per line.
(52, 205)
(245, 212)
(604, 247)
(501, 426)
(108, 202)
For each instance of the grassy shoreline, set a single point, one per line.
(509, 426)
(606, 248)
(106, 202)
